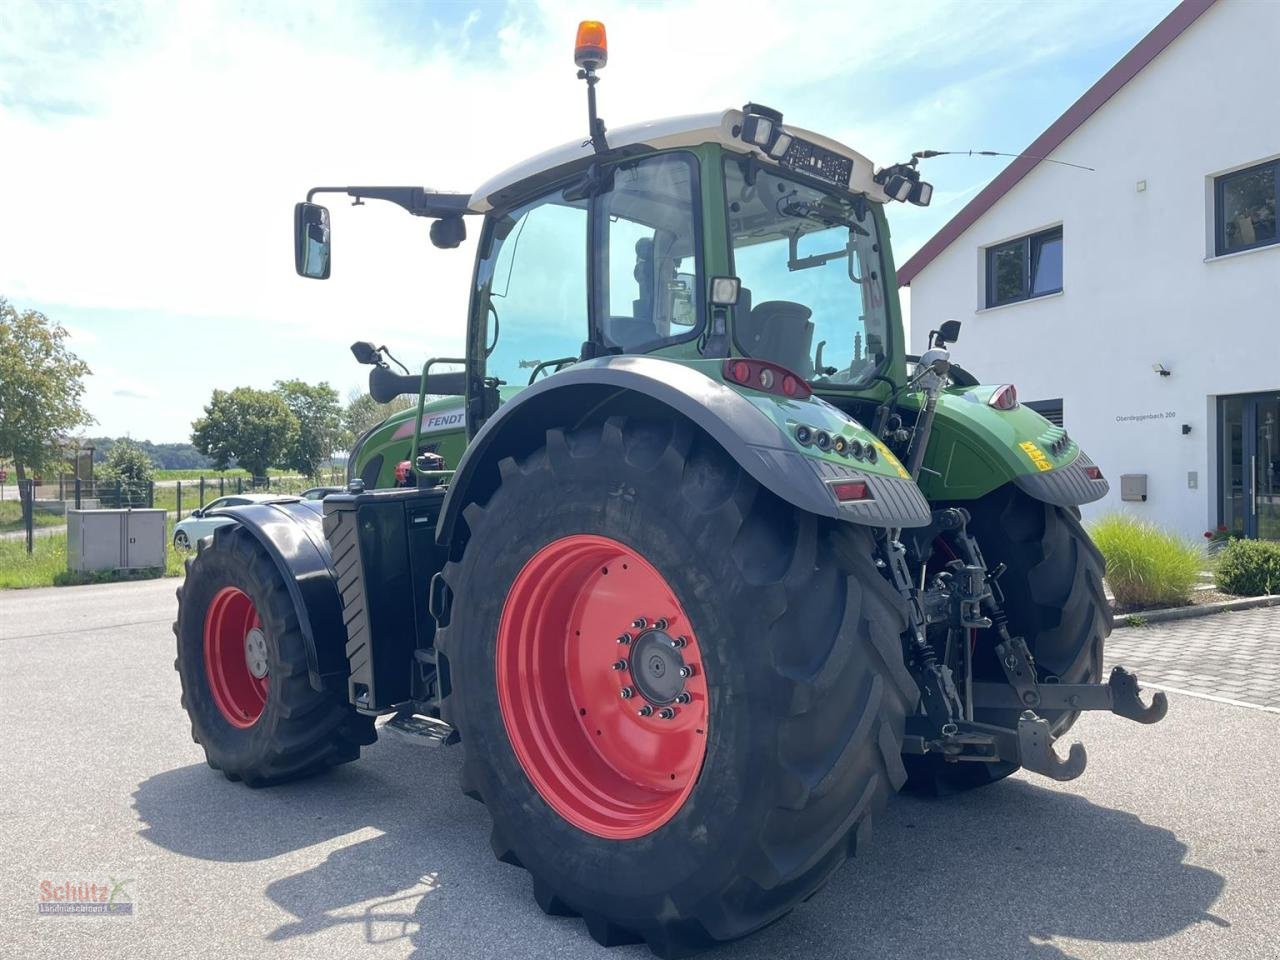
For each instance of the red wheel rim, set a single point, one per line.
(239, 695)
(610, 733)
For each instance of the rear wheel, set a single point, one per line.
(681, 700)
(243, 666)
(1054, 600)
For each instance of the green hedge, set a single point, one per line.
(1249, 568)
(1147, 566)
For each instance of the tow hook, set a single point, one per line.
(1035, 749)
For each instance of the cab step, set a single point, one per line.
(425, 731)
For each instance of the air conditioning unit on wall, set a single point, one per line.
(115, 539)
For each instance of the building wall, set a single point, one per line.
(1140, 284)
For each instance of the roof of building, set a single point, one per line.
(1146, 50)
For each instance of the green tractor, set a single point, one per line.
(713, 568)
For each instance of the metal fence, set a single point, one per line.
(179, 498)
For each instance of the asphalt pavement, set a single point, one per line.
(1168, 846)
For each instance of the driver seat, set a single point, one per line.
(781, 331)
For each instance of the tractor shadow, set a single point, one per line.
(992, 874)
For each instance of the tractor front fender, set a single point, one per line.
(652, 386)
(292, 533)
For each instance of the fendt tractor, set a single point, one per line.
(713, 568)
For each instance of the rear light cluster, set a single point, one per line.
(1005, 397)
(849, 491)
(854, 449)
(1092, 472)
(769, 377)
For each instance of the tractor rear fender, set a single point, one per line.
(651, 386)
(975, 448)
(291, 532)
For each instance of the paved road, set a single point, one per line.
(1167, 847)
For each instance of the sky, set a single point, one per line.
(153, 151)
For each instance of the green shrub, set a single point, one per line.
(1249, 568)
(1146, 566)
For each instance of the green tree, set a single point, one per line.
(319, 416)
(41, 383)
(252, 427)
(363, 412)
(127, 468)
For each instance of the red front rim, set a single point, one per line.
(592, 656)
(239, 695)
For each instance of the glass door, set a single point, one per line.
(1265, 468)
(1250, 487)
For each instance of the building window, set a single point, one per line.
(1025, 268)
(1245, 208)
(1051, 410)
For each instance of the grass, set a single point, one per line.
(47, 565)
(11, 517)
(1147, 566)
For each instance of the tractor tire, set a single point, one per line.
(262, 730)
(687, 828)
(1054, 600)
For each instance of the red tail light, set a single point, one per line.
(769, 377)
(847, 491)
(1092, 472)
(1005, 397)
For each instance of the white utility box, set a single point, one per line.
(115, 539)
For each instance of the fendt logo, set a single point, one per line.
(438, 422)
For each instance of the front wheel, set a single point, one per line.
(681, 699)
(243, 665)
(181, 540)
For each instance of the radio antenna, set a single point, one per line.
(927, 154)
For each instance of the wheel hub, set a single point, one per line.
(235, 657)
(606, 709)
(656, 666)
(255, 653)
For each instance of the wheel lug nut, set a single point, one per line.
(666, 713)
(660, 623)
(645, 711)
(679, 642)
(626, 693)
(619, 664)
(625, 638)
(683, 698)
(686, 672)
(639, 623)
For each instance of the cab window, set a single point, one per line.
(648, 270)
(533, 288)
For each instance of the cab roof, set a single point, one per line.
(683, 131)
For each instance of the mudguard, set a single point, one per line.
(291, 531)
(975, 448)
(753, 431)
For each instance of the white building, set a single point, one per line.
(1142, 299)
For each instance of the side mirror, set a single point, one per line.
(311, 241)
(365, 352)
(448, 232)
(198, 513)
(947, 332)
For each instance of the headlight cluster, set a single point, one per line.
(1059, 446)
(853, 449)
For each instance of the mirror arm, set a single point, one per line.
(416, 200)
